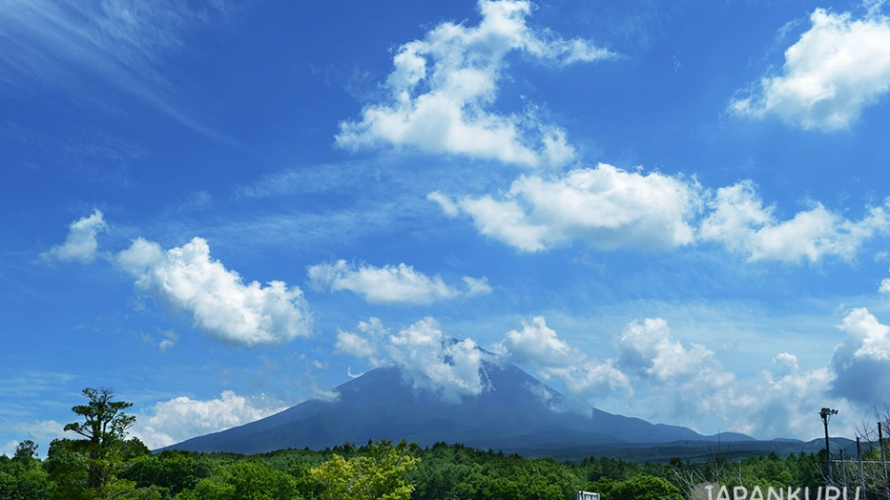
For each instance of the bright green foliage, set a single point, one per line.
(378, 475)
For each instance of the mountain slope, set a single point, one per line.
(510, 416)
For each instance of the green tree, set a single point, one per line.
(25, 451)
(22, 477)
(244, 479)
(104, 428)
(641, 487)
(380, 474)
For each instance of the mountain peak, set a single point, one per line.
(515, 414)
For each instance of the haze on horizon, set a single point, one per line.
(674, 212)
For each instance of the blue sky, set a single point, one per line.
(673, 211)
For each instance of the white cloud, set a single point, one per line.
(443, 88)
(477, 286)
(536, 344)
(173, 421)
(885, 286)
(169, 340)
(42, 432)
(649, 348)
(390, 284)
(187, 278)
(365, 343)
(437, 363)
(582, 376)
(686, 380)
(836, 69)
(739, 220)
(427, 358)
(607, 207)
(81, 243)
(781, 403)
(862, 360)
(8, 449)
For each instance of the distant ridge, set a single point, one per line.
(511, 417)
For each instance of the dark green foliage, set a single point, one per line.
(443, 472)
(641, 487)
(247, 479)
(103, 429)
(174, 471)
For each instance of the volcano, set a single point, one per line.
(515, 414)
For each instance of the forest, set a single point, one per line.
(107, 464)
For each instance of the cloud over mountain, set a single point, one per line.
(431, 360)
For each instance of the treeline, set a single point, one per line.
(103, 463)
(380, 470)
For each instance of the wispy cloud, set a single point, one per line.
(442, 90)
(837, 68)
(391, 283)
(82, 243)
(66, 44)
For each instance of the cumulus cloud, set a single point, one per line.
(583, 377)
(443, 88)
(649, 349)
(173, 421)
(862, 360)
(780, 403)
(687, 378)
(81, 244)
(606, 206)
(428, 359)
(739, 220)
(390, 284)
(837, 68)
(186, 278)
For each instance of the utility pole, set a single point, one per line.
(826, 414)
(883, 461)
(861, 472)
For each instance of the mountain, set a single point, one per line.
(511, 416)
